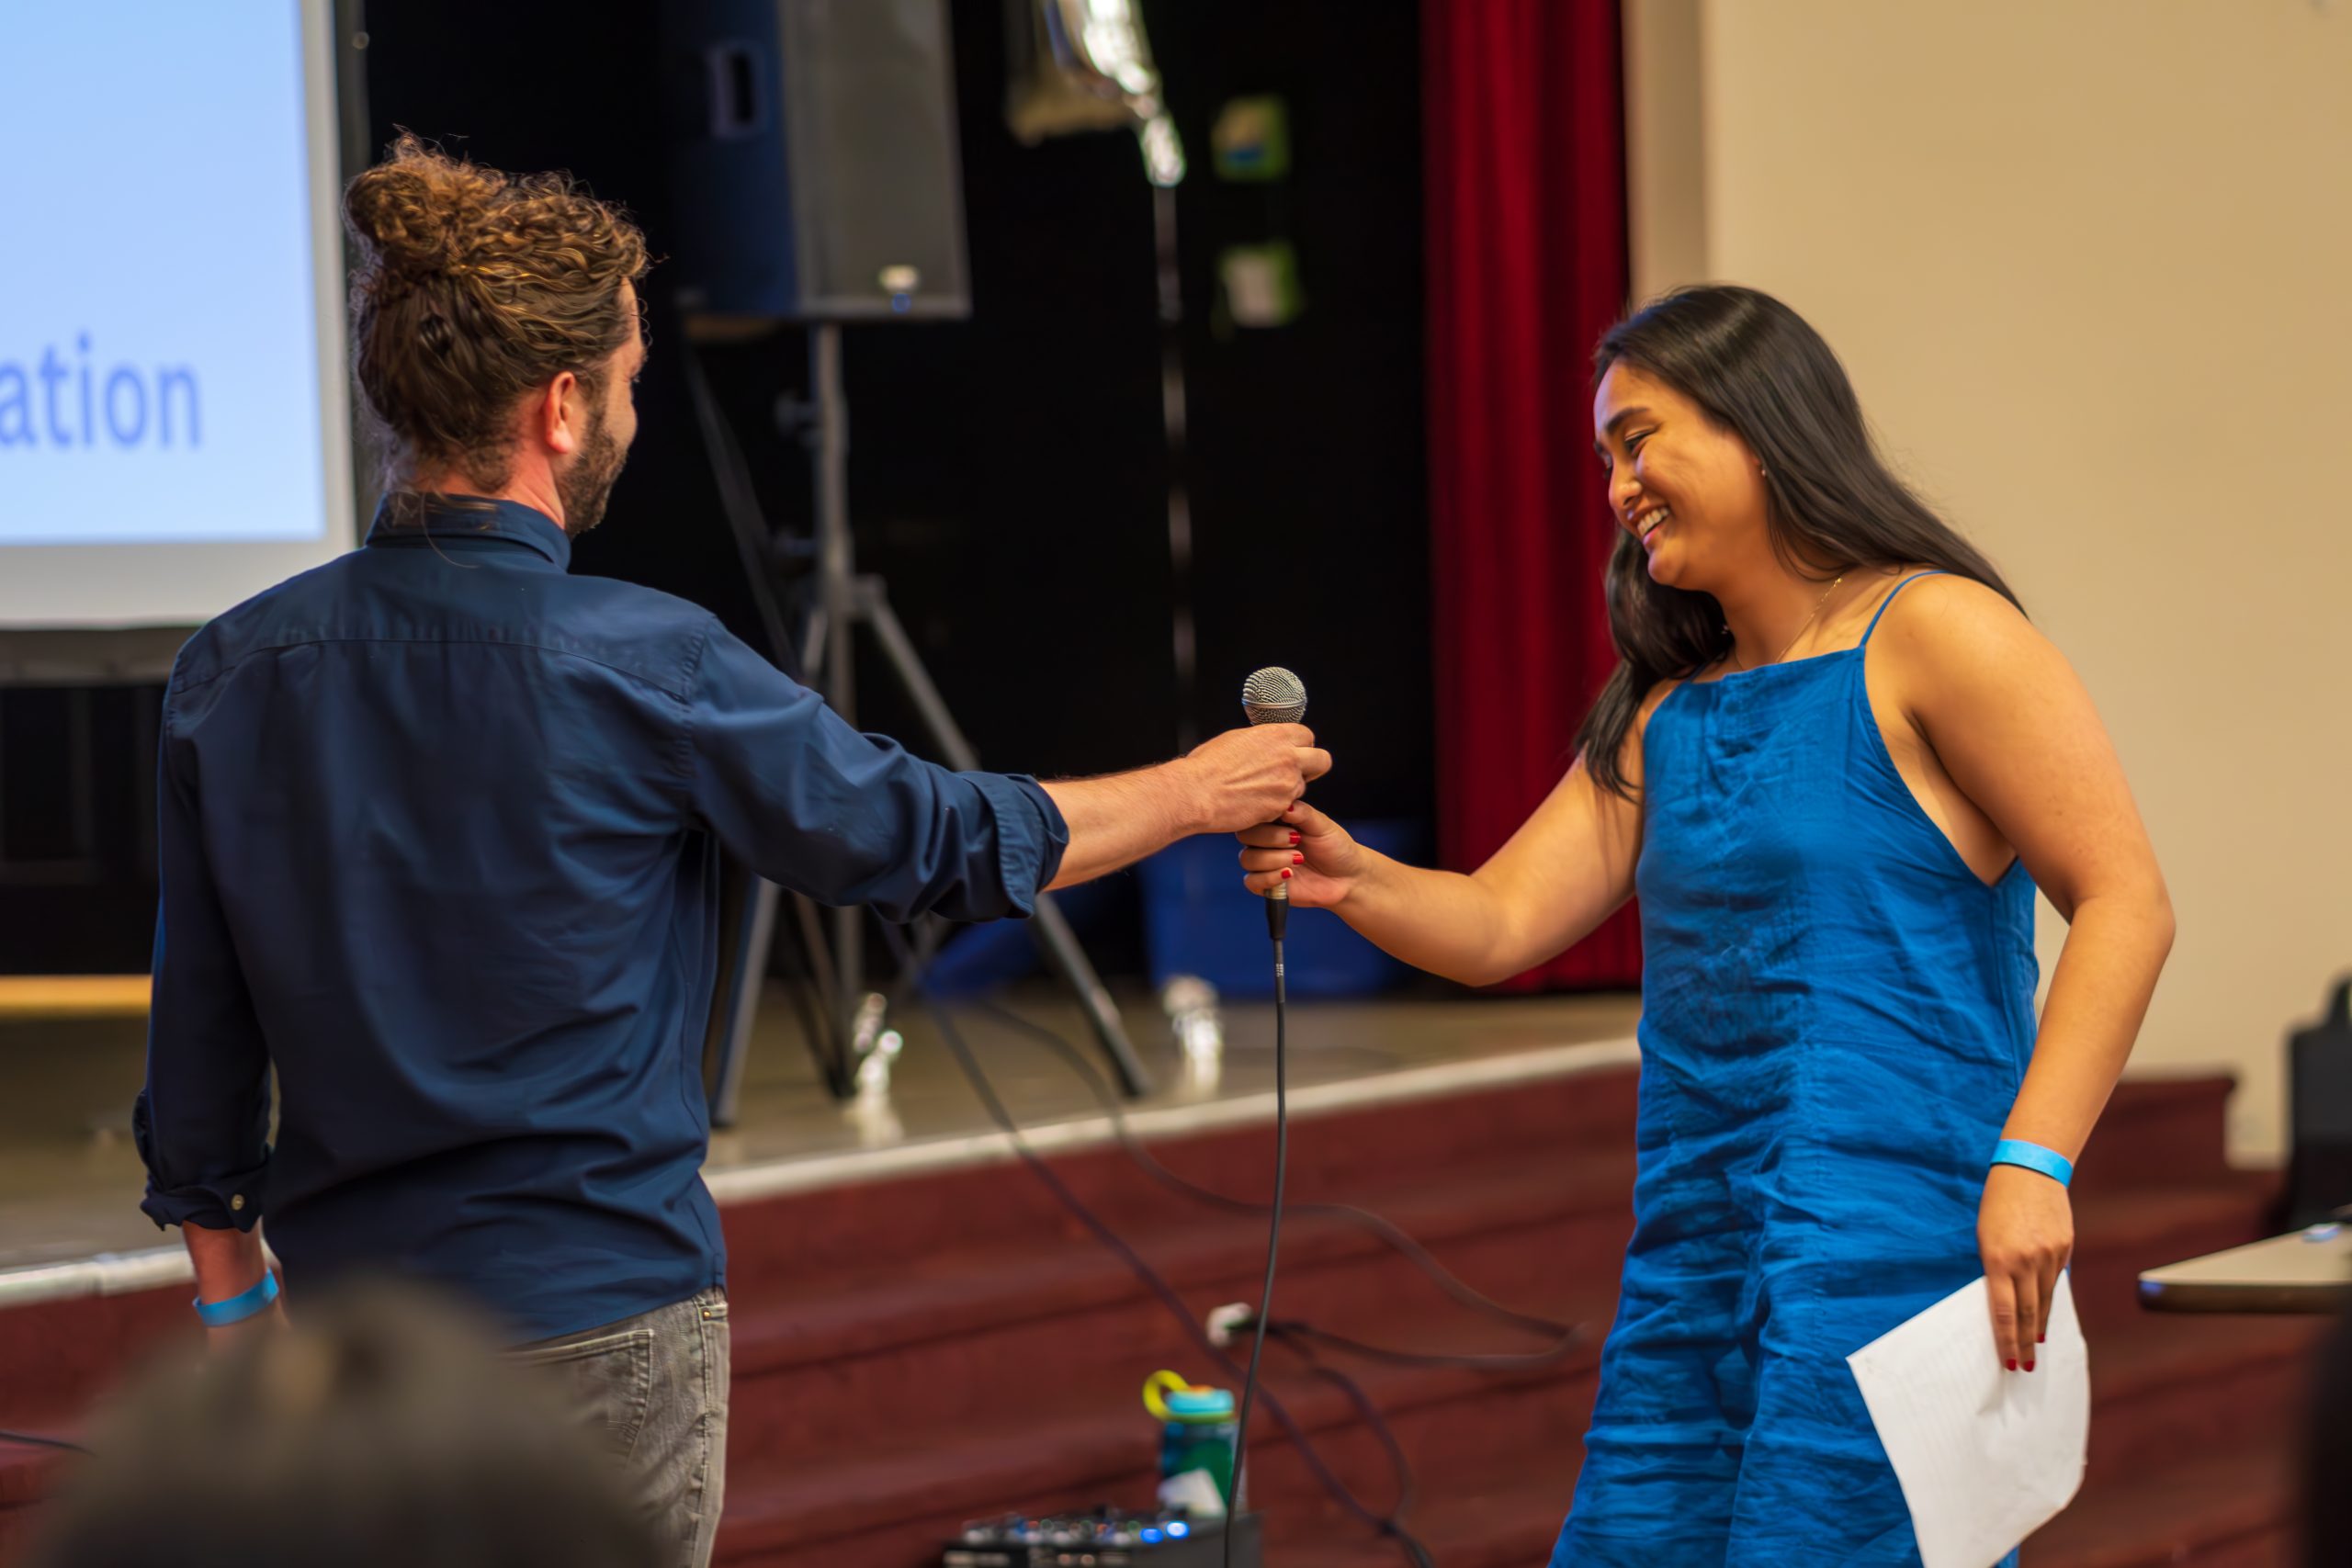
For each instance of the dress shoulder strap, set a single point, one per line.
(1890, 599)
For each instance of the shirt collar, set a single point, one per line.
(462, 520)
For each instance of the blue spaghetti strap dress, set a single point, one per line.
(1837, 1013)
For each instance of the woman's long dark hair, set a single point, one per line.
(1760, 372)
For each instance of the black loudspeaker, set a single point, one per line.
(2319, 1065)
(815, 162)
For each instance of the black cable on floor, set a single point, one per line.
(1565, 1337)
(1364, 1408)
(1388, 1526)
(35, 1440)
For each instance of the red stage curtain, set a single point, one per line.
(1525, 196)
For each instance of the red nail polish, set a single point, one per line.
(1298, 860)
(1285, 873)
(2042, 1339)
(1293, 838)
(2011, 1365)
(2029, 1366)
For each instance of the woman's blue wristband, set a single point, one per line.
(2033, 1156)
(236, 1309)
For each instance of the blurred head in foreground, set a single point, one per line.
(380, 1429)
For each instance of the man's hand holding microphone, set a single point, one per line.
(1227, 783)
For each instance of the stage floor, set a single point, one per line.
(70, 1178)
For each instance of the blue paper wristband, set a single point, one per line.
(236, 1309)
(2033, 1156)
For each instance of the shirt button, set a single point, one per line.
(237, 1203)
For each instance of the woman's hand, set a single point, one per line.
(2025, 1229)
(1307, 849)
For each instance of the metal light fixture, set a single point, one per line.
(1086, 65)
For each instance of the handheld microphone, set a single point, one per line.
(1274, 696)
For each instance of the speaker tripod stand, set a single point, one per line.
(846, 1018)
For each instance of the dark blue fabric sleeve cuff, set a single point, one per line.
(196, 1206)
(1031, 835)
(230, 1202)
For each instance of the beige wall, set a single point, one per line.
(2091, 265)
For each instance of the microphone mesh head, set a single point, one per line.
(1273, 695)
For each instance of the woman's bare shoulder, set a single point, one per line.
(1943, 608)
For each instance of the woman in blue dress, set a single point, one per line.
(1834, 763)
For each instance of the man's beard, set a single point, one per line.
(587, 484)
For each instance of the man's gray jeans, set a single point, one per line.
(655, 1387)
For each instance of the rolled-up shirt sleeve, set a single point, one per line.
(813, 805)
(202, 1121)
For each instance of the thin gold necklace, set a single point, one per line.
(1817, 604)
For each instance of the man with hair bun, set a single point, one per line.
(439, 837)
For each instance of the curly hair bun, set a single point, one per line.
(418, 211)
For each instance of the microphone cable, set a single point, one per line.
(1277, 918)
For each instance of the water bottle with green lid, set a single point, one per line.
(1197, 1434)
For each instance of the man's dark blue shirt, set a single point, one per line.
(439, 831)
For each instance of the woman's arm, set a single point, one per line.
(1568, 867)
(2015, 730)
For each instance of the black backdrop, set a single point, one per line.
(1007, 472)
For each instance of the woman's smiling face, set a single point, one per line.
(1691, 490)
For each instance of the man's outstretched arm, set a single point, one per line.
(1236, 780)
(849, 819)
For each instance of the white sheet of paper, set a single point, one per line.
(1985, 1456)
